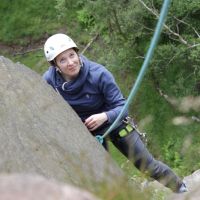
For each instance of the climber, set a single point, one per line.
(90, 89)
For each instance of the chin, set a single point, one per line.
(74, 75)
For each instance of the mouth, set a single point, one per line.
(72, 69)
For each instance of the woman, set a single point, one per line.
(92, 92)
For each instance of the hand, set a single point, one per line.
(94, 121)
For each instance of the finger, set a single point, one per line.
(93, 128)
(96, 125)
(88, 121)
(91, 124)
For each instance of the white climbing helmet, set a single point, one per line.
(56, 44)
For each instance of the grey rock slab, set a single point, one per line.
(40, 133)
(34, 187)
(193, 185)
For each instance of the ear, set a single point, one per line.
(58, 69)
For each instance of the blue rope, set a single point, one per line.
(148, 57)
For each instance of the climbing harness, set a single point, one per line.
(130, 126)
(148, 57)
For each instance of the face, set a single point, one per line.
(69, 64)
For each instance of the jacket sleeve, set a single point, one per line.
(47, 77)
(113, 97)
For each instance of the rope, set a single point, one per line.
(148, 57)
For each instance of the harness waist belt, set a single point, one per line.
(126, 130)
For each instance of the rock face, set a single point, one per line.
(193, 184)
(41, 134)
(29, 187)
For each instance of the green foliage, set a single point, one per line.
(34, 60)
(176, 62)
(85, 19)
(166, 70)
(22, 22)
(170, 155)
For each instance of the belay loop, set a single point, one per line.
(148, 57)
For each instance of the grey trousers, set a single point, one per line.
(134, 149)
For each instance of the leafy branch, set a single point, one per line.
(172, 34)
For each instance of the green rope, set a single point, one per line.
(148, 57)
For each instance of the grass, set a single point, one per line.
(35, 60)
(24, 22)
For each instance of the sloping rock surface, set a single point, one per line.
(40, 133)
(193, 184)
(34, 187)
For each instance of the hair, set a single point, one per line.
(52, 63)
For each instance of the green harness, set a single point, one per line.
(126, 130)
(130, 127)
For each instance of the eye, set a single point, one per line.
(71, 55)
(62, 60)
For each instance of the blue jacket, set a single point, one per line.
(93, 91)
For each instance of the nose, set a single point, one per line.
(70, 62)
